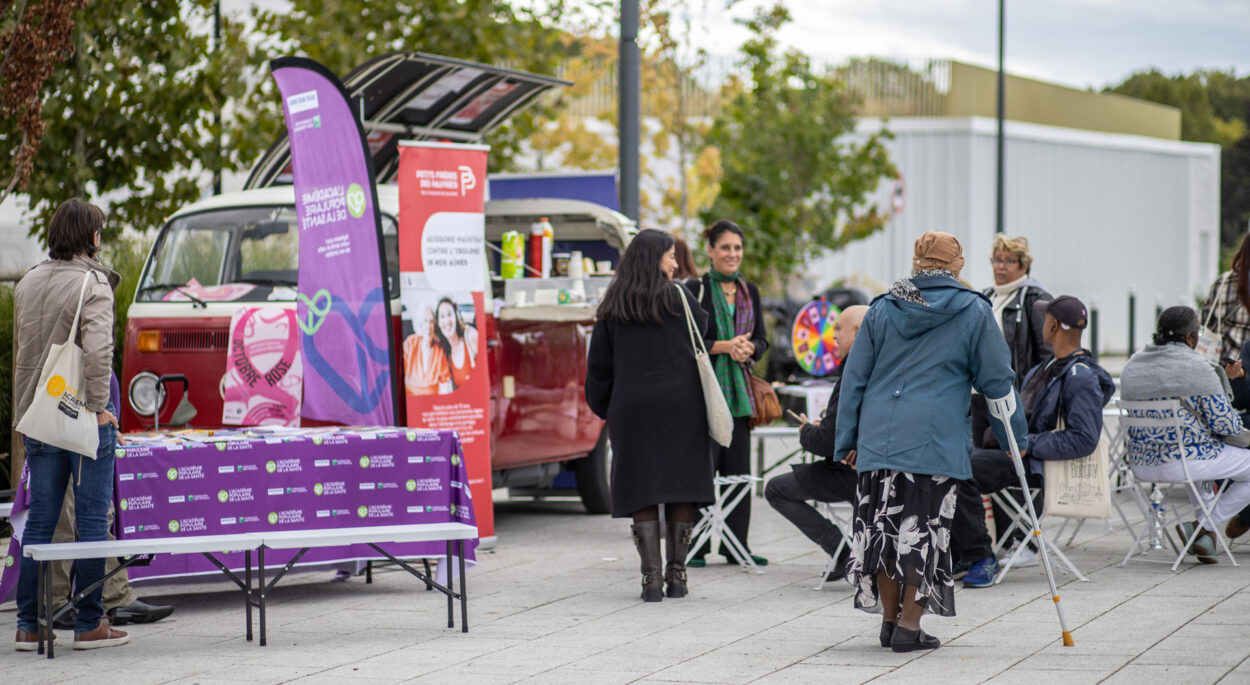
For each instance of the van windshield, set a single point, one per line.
(246, 254)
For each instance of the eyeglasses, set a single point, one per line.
(1004, 262)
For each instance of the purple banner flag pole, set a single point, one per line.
(344, 309)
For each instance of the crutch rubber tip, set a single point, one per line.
(1067, 639)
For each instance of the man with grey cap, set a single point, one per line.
(1070, 386)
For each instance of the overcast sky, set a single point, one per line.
(1080, 43)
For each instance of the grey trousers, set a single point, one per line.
(790, 496)
(117, 591)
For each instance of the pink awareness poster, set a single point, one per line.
(265, 374)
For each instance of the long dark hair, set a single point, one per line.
(640, 292)
(1241, 268)
(443, 342)
(1175, 324)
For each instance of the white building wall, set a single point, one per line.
(1103, 213)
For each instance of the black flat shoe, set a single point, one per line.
(887, 632)
(905, 640)
(139, 611)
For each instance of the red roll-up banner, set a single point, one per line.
(443, 280)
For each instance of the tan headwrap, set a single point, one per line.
(937, 250)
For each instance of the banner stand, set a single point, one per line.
(443, 285)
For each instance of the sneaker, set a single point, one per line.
(697, 562)
(961, 569)
(982, 573)
(104, 635)
(1203, 546)
(27, 642)
(1025, 557)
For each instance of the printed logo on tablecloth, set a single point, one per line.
(221, 447)
(270, 467)
(8, 560)
(273, 517)
(174, 526)
(367, 486)
(331, 487)
(119, 453)
(375, 511)
(364, 462)
(377, 461)
(455, 459)
(125, 477)
(195, 472)
(427, 485)
(235, 495)
(316, 439)
(411, 485)
(136, 503)
(453, 509)
(362, 511)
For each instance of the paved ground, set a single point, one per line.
(557, 602)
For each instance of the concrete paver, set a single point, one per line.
(557, 602)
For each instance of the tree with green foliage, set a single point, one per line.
(130, 116)
(342, 35)
(790, 176)
(1215, 108)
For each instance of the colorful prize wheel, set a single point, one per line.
(814, 348)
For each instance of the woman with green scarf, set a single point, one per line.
(735, 340)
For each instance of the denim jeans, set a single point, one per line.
(51, 468)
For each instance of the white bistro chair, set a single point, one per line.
(712, 525)
(1165, 415)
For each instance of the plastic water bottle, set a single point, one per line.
(1159, 516)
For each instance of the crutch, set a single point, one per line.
(1002, 409)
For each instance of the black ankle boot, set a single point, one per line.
(905, 640)
(678, 547)
(647, 540)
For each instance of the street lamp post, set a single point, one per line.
(998, 217)
(628, 106)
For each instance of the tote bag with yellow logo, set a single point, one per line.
(58, 416)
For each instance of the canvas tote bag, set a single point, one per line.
(720, 425)
(1210, 341)
(57, 415)
(1079, 488)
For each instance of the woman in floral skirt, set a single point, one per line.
(903, 422)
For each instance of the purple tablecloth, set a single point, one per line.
(290, 480)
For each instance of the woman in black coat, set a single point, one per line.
(735, 340)
(641, 377)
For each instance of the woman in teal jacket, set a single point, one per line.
(903, 422)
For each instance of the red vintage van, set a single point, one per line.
(242, 248)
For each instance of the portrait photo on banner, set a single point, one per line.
(440, 341)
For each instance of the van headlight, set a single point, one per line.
(143, 394)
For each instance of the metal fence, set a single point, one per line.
(884, 87)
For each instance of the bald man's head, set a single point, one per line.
(846, 326)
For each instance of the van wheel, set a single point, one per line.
(594, 477)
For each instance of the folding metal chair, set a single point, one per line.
(712, 525)
(843, 522)
(1020, 520)
(1165, 415)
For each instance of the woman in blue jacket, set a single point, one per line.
(903, 422)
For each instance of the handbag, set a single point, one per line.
(720, 425)
(1209, 341)
(767, 406)
(1079, 488)
(57, 415)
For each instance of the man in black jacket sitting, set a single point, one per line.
(826, 480)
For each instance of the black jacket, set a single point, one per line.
(758, 335)
(643, 380)
(829, 475)
(1022, 327)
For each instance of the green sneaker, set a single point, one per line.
(759, 561)
(697, 562)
